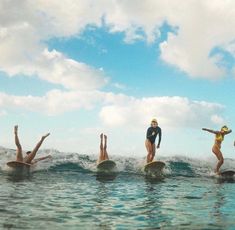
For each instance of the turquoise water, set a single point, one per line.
(67, 193)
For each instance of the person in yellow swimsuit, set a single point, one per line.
(219, 137)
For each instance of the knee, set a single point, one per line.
(221, 160)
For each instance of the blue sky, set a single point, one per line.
(79, 68)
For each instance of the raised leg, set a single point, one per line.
(19, 156)
(106, 157)
(101, 149)
(31, 156)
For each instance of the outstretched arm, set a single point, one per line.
(42, 158)
(210, 130)
(19, 156)
(33, 153)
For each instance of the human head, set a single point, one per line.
(28, 152)
(154, 122)
(224, 128)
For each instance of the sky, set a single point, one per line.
(79, 68)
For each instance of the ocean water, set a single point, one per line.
(67, 193)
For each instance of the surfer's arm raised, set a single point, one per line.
(227, 132)
(210, 131)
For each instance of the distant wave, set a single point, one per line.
(62, 161)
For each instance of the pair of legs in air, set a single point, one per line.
(30, 154)
(103, 148)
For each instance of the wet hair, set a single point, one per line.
(224, 128)
(28, 152)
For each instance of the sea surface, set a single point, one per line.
(66, 192)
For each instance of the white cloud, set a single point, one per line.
(119, 110)
(171, 112)
(216, 119)
(54, 102)
(202, 26)
(56, 68)
(23, 36)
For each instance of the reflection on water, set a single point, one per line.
(74, 199)
(19, 175)
(104, 177)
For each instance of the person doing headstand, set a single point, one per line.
(30, 155)
(103, 149)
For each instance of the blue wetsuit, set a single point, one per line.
(152, 134)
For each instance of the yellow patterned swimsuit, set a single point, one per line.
(218, 139)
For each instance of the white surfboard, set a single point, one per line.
(106, 166)
(16, 165)
(154, 168)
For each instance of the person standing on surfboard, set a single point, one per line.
(30, 154)
(151, 135)
(219, 137)
(103, 149)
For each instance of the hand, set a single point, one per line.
(158, 146)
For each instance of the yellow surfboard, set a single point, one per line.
(154, 168)
(106, 165)
(227, 174)
(18, 165)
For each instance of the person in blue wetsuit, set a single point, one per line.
(151, 135)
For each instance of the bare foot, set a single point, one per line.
(101, 135)
(105, 137)
(15, 128)
(45, 136)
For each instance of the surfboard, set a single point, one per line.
(227, 173)
(106, 165)
(18, 165)
(154, 168)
